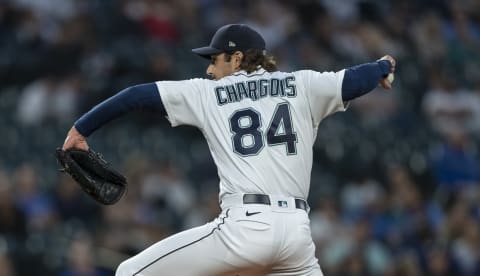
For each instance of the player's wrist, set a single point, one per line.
(385, 67)
(78, 129)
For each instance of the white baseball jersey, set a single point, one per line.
(260, 127)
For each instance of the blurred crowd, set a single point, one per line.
(396, 182)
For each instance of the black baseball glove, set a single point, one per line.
(93, 173)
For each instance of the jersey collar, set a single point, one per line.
(259, 71)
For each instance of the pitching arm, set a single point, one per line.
(363, 78)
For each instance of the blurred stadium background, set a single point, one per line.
(395, 186)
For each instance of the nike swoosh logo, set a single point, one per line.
(251, 214)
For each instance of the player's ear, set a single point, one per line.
(239, 54)
(237, 58)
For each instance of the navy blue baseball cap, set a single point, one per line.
(231, 38)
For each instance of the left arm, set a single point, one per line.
(139, 97)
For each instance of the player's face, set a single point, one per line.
(220, 68)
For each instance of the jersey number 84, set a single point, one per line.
(248, 137)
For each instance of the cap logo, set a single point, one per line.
(231, 44)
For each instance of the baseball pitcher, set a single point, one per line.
(260, 125)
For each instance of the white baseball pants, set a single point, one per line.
(246, 239)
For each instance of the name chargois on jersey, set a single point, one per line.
(256, 89)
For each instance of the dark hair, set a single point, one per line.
(253, 58)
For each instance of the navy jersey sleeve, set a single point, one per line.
(363, 78)
(139, 97)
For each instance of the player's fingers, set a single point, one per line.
(79, 144)
(69, 142)
(75, 140)
(385, 84)
(66, 140)
(393, 62)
